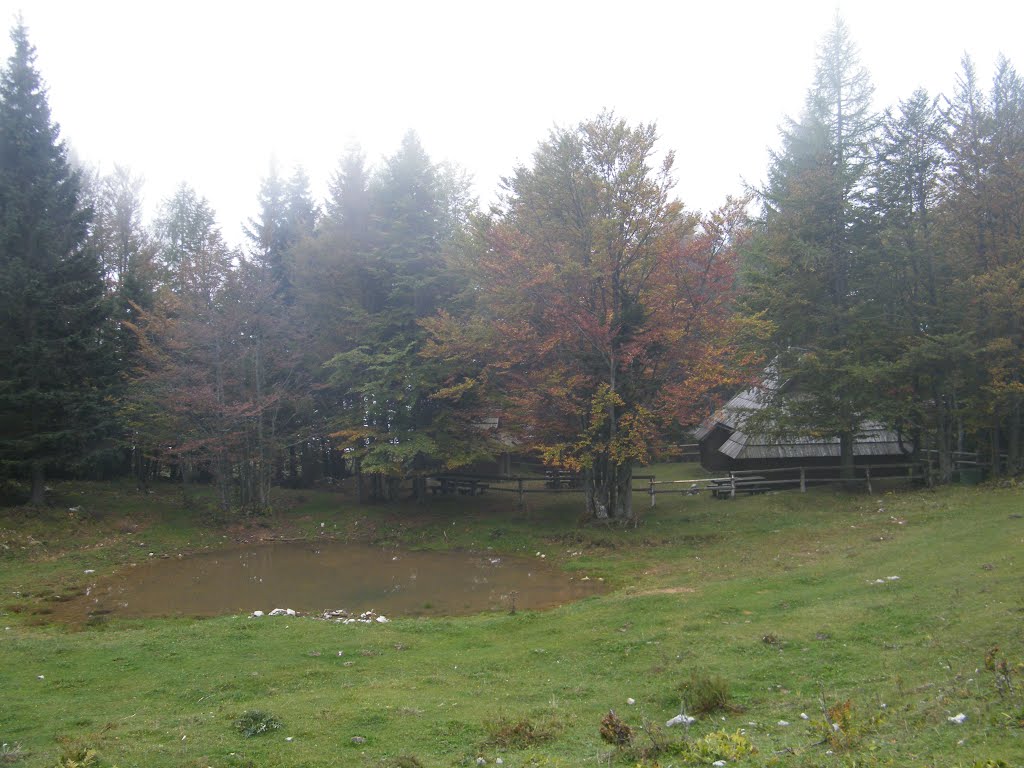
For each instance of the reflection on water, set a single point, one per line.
(318, 576)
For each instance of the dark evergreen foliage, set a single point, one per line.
(53, 318)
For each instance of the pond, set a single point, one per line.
(313, 577)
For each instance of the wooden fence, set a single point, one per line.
(724, 487)
(764, 480)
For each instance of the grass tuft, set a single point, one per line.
(705, 694)
(520, 732)
(255, 722)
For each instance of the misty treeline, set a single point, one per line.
(395, 329)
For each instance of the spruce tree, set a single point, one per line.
(806, 267)
(54, 365)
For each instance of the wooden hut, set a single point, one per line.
(726, 446)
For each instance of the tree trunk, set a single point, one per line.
(846, 462)
(38, 497)
(997, 438)
(944, 440)
(608, 490)
(1013, 440)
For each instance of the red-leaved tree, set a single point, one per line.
(601, 309)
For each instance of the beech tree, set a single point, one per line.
(601, 307)
(53, 318)
(184, 401)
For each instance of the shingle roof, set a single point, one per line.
(873, 438)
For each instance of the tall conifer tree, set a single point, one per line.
(806, 267)
(53, 364)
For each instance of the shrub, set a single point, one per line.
(614, 731)
(75, 756)
(253, 722)
(11, 753)
(719, 745)
(842, 728)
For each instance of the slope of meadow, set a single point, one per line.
(872, 616)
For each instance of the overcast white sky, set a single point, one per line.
(208, 92)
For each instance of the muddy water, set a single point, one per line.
(313, 577)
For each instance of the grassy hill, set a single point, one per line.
(872, 616)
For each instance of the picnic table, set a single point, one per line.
(561, 478)
(465, 486)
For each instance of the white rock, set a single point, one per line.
(892, 578)
(498, 761)
(783, 723)
(719, 763)
(89, 570)
(289, 611)
(957, 719)
(281, 612)
(680, 720)
(803, 716)
(481, 761)
(631, 701)
(382, 619)
(288, 738)
(41, 677)
(258, 614)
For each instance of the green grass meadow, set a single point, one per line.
(784, 601)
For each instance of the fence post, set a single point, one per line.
(803, 480)
(867, 476)
(732, 486)
(651, 489)
(519, 481)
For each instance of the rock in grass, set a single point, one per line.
(957, 719)
(680, 720)
(358, 739)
